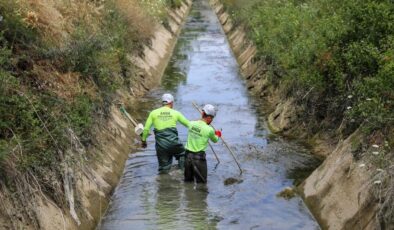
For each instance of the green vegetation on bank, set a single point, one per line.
(174, 3)
(339, 52)
(35, 122)
(336, 59)
(52, 95)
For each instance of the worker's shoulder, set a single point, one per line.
(196, 122)
(209, 128)
(165, 109)
(156, 111)
(174, 111)
(203, 125)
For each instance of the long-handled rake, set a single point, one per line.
(224, 142)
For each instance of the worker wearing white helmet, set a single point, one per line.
(199, 133)
(164, 120)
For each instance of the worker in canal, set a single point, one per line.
(199, 133)
(164, 120)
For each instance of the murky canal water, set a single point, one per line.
(204, 70)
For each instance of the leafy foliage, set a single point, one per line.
(336, 48)
(12, 27)
(35, 122)
(54, 91)
(174, 3)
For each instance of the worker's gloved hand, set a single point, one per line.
(144, 144)
(218, 133)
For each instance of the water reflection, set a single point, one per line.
(168, 202)
(196, 205)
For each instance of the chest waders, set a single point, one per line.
(195, 167)
(167, 147)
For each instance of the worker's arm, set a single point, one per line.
(147, 127)
(183, 120)
(213, 136)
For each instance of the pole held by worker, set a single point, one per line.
(138, 127)
(224, 142)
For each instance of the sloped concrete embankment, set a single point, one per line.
(338, 191)
(89, 187)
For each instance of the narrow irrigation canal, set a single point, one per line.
(203, 69)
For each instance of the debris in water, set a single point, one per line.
(231, 180)
(287, 193)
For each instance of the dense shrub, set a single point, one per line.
(34, 121)
(341, 50)
(58, 80)
(174, 3)
(37, 125)
(12, 27)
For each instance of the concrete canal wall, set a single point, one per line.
(338, 191)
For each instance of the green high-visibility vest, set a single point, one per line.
(163, 118)
(199, 133)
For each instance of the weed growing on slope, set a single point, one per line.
(174, 3)
(43, 131)
(328, 51)
(13, 29)
(38, 127)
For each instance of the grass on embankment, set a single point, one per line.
(336, 59)
(61, 63)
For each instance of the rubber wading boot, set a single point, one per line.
(181, 163)
(165, 169)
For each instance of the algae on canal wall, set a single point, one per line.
(338, 192)
(88, 184)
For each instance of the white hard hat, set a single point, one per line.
(167, 98)
(209, 110)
